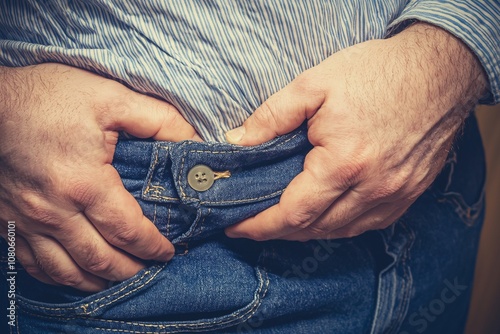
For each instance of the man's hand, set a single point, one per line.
(75, 222)
(381, 117)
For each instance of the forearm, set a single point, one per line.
(443, 74)
(14, 87)
(475, 23)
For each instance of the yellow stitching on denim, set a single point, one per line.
(263, 283)
(124, 331)
(179, 177)
(224, 152)
(222, 175)
(156, 196)
(131, 291)
(240, 200)
(154, 191)
(266, 279)
(246, 199)
(201, 224)
(151, 170)
(196, 223)
(124, 287)
(86, 305)
(105, 297)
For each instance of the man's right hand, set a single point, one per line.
(76, 224)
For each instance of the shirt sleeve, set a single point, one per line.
(475, 22)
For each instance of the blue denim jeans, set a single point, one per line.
(413, 277)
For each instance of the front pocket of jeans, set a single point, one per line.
(184, 295)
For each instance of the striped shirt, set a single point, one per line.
(217, 61)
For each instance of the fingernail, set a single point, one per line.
(235, 135)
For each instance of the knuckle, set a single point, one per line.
(98, 263)
(266, 116)
(391, 186)
(112, 100)
(66, 277)
(82, 192)
(37, 209)
(298, 219)
(155, 250)
(32, 269)
(93, 259)
(124, 237)
(349, 174)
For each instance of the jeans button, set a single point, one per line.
(201, 177)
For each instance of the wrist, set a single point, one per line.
(445, 70)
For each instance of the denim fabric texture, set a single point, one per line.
(413, 277)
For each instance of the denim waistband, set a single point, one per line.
(248, 180)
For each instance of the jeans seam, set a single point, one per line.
(406, 283)
(196, 224)
(238, 201)
(260, 293)
(84, 307)
(242, 201)
(398, 309)
(199, 225)
(181, 188)
(169, 209)
(154, 191)
(467, 213)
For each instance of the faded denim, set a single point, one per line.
(413, 277)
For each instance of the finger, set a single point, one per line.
(25, 255)
(93, 253)
(345, 209)
(119, 219)
(280, 114)
(58, 264)
(145, 117)
(379, 218)
(302, 202)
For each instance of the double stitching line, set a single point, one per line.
(228, 152)
(152, 191)
(241, 314)
(84, 307)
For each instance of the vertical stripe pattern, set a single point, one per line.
(217, 61)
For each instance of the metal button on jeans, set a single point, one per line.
(201, 177)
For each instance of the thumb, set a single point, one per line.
(283, 112)
(145, 116)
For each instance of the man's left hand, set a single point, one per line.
(381, 116)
